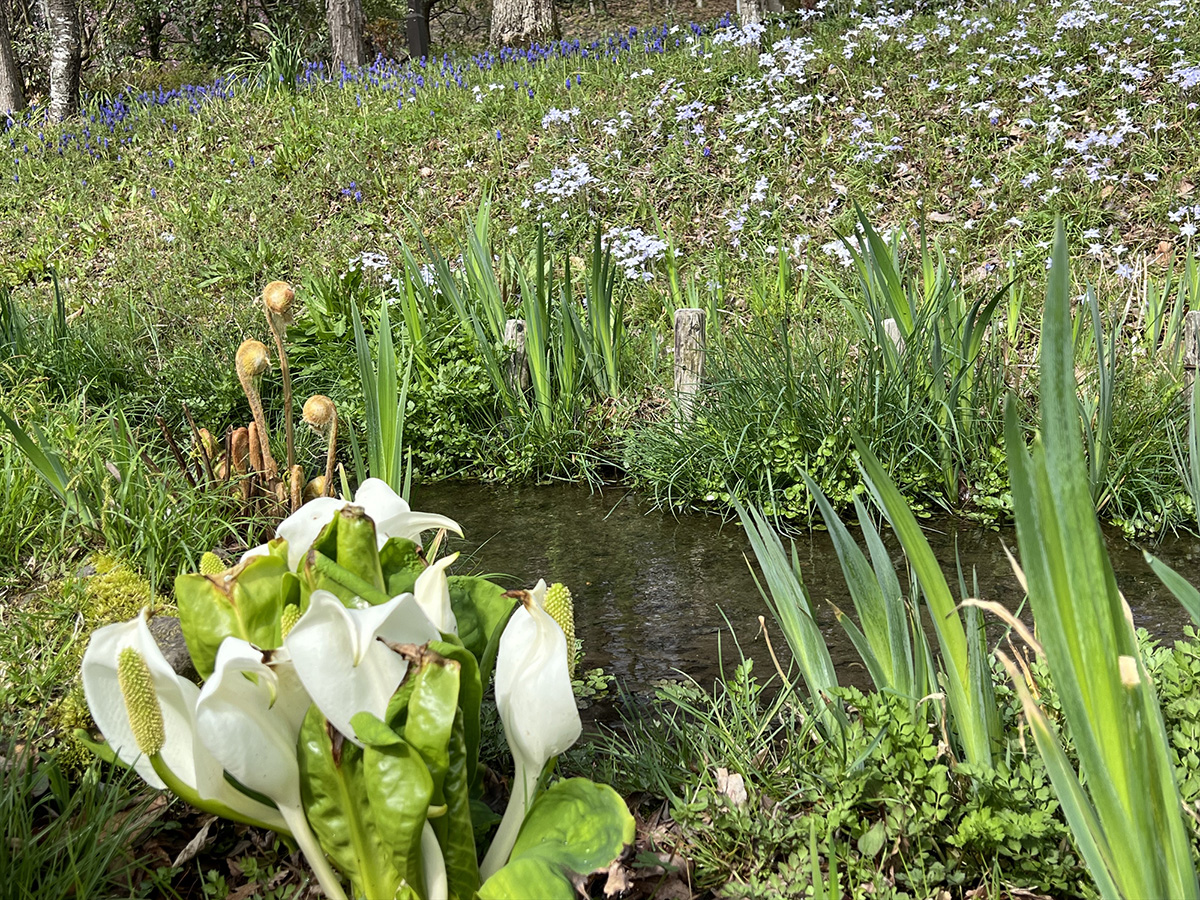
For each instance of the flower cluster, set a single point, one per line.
(635, 251)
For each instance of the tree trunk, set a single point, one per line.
(750, 12)
(65, 57)
(153, 23)
(12, 92)
(346, 32)
(518, 22)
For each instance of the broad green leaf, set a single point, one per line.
(528, 877)
(455, 830)
(429, 718)
(338, 806)
(470, 698)
(479, 606)
(356, 548)
(576, 826)
(319, 572)
(245, 601)
(401, 564)
(399, 788)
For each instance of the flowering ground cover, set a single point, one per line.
(712, 157)
(983, 121)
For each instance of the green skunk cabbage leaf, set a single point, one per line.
(245, 601)
(337, 803)
(455, 830)
(344, 561)
(576, 827)
(483, 818)
(529, 876)
(430, 716)
(322, 573)
(401, 564)
(326, 541)
(357, 551)
(479, 606)
(470, 697)
(399, 788)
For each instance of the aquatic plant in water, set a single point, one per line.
(343, 677)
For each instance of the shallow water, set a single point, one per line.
(653, 590)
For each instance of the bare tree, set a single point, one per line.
(66, 53)
(523, 22)
(346, 32)
(12, 91)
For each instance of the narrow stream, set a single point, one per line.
(653, 591)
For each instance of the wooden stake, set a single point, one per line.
(689, 360)
(1191, 348)
(517, 373)
(892, 330)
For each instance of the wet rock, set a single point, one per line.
(169, 635)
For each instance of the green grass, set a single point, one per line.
(748, 177)
(70, 837)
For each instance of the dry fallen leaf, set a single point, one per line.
(939, 218)
(618, 880)
(195, 845)
(733, 786)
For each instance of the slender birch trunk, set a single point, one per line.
(65, 58)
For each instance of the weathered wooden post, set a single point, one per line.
(517, 373)
(1191, 348)
(892, 330)
(689, 360)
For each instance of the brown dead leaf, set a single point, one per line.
(617, 881)
(1162, 256)
(1186, 188)
(195, 845)
(939, 218)
(733, 786)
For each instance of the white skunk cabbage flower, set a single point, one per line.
(432, 591)
(387, 509)
(536, 705)
(340, 657)
(147, 714)
(249, 715)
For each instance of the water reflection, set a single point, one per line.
(653, 591)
